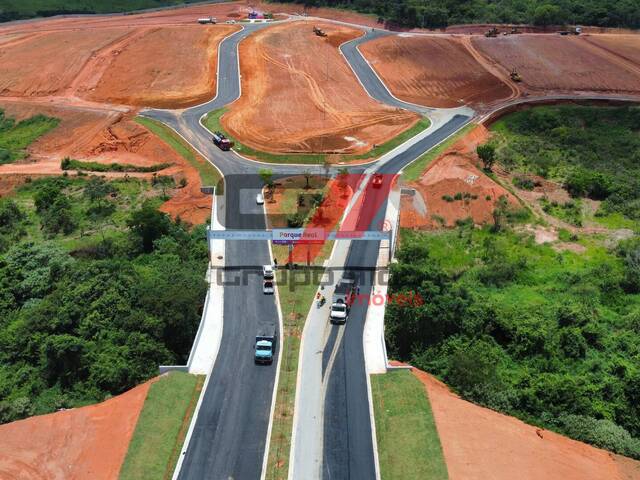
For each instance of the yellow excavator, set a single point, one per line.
(515, 76)
(319, 32)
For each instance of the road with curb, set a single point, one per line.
(344, 448)
(229, 435)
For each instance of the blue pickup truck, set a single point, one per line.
(266, 341)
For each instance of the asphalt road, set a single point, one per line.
(230, 433)
(368, 77)
(348, 448)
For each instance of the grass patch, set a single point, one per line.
(209, 175)
(15, 137)
(162, 426)
(212, 122)
(408, 441)
(69, 164)
(414, 171)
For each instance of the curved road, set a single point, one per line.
(230, 432)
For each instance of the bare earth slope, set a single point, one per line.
(626, 46)
(481, 444)
(78, 444)
(555, 63)
(299, 95)
(436, 71)
(47, 64)
(183, 71)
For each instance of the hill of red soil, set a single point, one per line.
(436, 71)
(299, 95)
(480, 444)
(625, 46)
(550, 63)
(454, 172)
(47, 63)
(182, 73)
(77, 444)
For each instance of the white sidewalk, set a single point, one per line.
(207, 342)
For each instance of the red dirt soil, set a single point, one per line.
(436, 71)
(81, 443)
(183, 72)
(290, 77)
(46, 64)
(455, 171)
(104, 136)
(480, 444)
(553, 63)
(625, 46)
(175, 16)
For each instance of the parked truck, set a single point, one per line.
(221, 141)
(266, 341)
(207, 20)
(343, 296)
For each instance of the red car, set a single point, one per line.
(377, 180)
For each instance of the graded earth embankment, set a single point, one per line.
(436, 71)
(47, 64)
(182, 73)
(554, 63)
(453, 187)
(299, 95)
(77, 444)
(479, 444)
(625, 46)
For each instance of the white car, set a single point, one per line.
(267, 272)
(267, 287)
(260, 199)
(230, 22)
(339, 313)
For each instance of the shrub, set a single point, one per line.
(524, 183)
(602, 433)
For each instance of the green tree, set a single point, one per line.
(487, 154)
(148, 224)
(548, 14)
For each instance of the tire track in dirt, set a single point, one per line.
(611, 55)
(100, 59)
(493, 68)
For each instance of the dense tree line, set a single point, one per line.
(553, 338)
(80, 324)
(441, 13)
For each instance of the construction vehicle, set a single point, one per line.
(491, 33)
(266, 340)
(515, 31)
(222, 142)
(207, 20)
(319, 32)
(571, 31)
(343, 297)
(515, 76)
